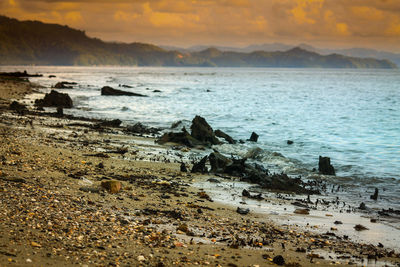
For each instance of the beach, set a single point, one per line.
(56, 207)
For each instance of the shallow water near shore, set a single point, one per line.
(351, 116)
(280, 208)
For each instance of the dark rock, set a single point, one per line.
(107, 90)
(200, 166)
(18, 107)
(203, 132)
(253, 137)
(60, 111)
(278, 260)
(139, 128)
(325, 167)
(181, 138)
(362, 206)
(52, 76)
(218, 162)
(236, 168)
(242, 211)
(176, 124)
(112, 123)
(183, 167)
(14, 180)
(88, 189)
(360, 227)
(213, 180)
(64, 85)
(338, 222)
(125, 86)
(375, 195)
(301, 250)
(19, 74)
(245, 193)
(221, 134)
(289, 142)
(156, 91)
(55, 99)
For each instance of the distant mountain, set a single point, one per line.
(33, 42)
(363, 53)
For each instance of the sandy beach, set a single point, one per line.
(76, 193)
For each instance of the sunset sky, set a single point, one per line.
(322, 23)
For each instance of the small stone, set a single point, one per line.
(112, 186)
(36, 245)
(183, 227)
(245, 193)
(141, 258)
(242, 211)
(28, 260)
(302, 211)
(338, 222)
(375, 195)
(360, 227)
(253, 137)
(183, 167)
(204, 195)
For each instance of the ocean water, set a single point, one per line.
(351, 116)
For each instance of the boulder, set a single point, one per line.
(236, 168)
(55, 99)
(200, 166)
(325, 167)
(64, 85)
(253, 137)
(218, 162)
(111, 186)
(257, 174)
(203, 132)
(139, 128)
(107, 90)
(180, 138)
(18, 107)
(221, 134)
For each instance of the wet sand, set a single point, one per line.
(55, 212)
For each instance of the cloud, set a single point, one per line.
(227, 22)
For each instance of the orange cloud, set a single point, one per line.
(224, 22)
(368, 13)
(342, 29)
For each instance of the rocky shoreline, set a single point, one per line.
(56, 208)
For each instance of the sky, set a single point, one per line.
(183, 23)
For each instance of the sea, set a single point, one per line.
(349, 115)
